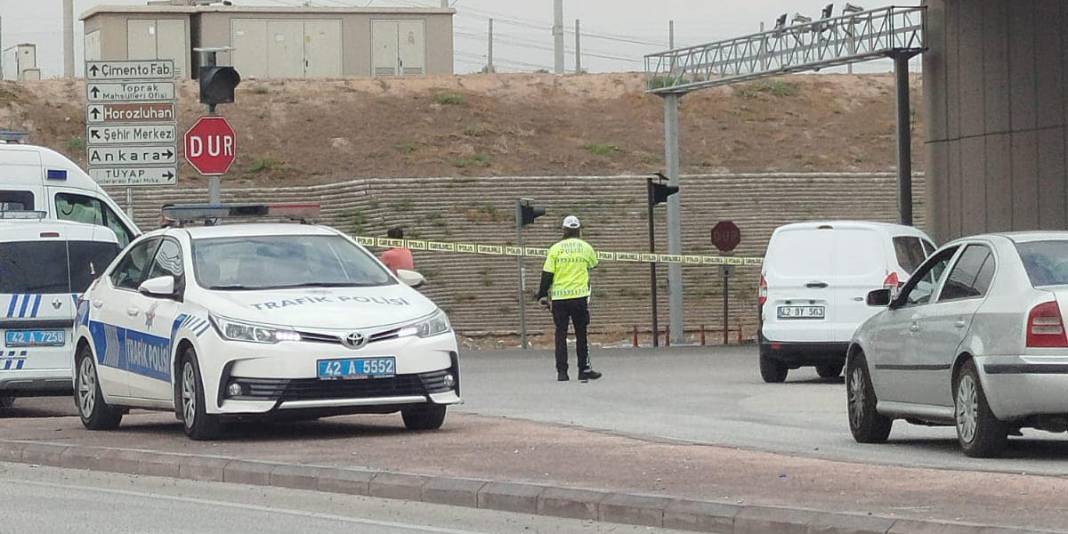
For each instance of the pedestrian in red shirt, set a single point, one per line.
(398, 258)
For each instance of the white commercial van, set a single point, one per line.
(45, 266)
(34, 178)
(813, 285)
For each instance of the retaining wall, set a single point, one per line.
(479, 292)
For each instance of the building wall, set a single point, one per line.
(996, 116)
(114, 37)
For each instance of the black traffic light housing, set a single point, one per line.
(528, 212)
(659, 191)
(217, 85)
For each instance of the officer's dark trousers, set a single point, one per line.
(575, 311)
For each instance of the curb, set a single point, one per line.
(632, 509)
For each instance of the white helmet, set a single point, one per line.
(572, 222)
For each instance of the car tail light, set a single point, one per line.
(892, 282)
(1045, 328)
(762, 290)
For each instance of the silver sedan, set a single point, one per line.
(975, 339)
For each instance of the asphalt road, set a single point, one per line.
(709, 395)
(49, 500)
(715, 396)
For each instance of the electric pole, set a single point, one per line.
(68, 38)
(578, 48)
(671, 35)
(558, 36)
(489, 54)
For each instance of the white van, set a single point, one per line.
(34, 178)
(45, 266)
(813, 285)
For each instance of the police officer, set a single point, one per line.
(566, 278)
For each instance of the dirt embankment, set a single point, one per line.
(301, 132)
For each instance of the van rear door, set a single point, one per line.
(797, 269)
(860, 266)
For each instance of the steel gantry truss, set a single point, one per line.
(891, 32)
(853, 38)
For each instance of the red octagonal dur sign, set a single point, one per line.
(211, 146)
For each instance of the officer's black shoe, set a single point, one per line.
(561, 376)
(589, 374)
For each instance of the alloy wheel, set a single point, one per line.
(189, 394)
(856, 397)
(87, 388)
(967, 408)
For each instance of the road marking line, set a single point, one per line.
(252, 507)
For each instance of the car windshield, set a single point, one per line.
(274, 262)
(1046, 262)
(52, 266)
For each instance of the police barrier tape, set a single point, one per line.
(507, 250)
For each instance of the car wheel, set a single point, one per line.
(93, 410)
(866, 424)
(772, 370)
(429, 417)
(829, 370)
(981, 435)
(198, 424)
(7, 403)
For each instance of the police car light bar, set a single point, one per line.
(22, 215)
(184, 213)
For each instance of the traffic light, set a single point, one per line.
(659, 191)
(217, 85)
(528, 212)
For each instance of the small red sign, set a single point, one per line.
(211, 146)
(726, 236)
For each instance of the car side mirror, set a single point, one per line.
(161, 286)
(880, 297)
(411, 278)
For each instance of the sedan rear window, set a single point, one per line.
(1046, 262)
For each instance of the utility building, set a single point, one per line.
(277, 42)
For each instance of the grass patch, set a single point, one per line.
(261, 90)
(776, 88)
(602, 149)
(485, 213)
(478, 160)
(357, 221)
(264, 165)
(406, 148)
(403, 205)
(75, 144)
(450, 99)
(660, 82)
(476, 130)
(437, 220)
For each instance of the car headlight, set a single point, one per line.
(251, 333)
(431, 326)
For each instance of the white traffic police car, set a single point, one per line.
(261, 320)
(45, 265)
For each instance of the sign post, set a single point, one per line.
(131, 125)
(726, 236)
